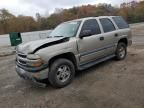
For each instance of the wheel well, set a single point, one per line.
(70, 56)
(124, 40)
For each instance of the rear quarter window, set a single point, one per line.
(120, 22)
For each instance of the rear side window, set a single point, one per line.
(107, 25)
(92, 25)
(121, 23)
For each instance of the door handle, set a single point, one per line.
(116, 35)
(101, 38)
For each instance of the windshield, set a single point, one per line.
(67, 29)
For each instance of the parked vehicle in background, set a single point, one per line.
(73, 45)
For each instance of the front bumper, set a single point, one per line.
(43, 74)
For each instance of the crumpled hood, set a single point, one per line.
(32, 46)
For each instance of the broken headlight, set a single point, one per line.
(34, 60)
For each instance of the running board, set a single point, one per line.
(87, 65)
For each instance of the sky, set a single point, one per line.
(46, 7)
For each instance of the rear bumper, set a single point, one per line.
(43, 74)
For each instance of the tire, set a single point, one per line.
(121, 51)
(61, 73)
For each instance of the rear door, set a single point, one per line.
(110, 35)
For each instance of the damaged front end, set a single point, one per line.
(32, 69)
(31, 66)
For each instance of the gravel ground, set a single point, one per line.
(111, 84)
(6, 51)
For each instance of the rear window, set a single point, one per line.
(121, 23)
(107, 25)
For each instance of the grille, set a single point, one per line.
(21, 58)
(22, 55)
(22, 62)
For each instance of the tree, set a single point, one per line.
(4, 18)
(132, 12)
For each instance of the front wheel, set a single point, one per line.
(121, 51)
(61, 73)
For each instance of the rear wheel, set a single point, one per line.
(121, 51)
(61, 73)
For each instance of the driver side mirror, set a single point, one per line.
(85, 33)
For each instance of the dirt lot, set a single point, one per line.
(111, 84)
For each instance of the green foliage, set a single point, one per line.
(132, 12)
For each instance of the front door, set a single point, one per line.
(91, 45)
